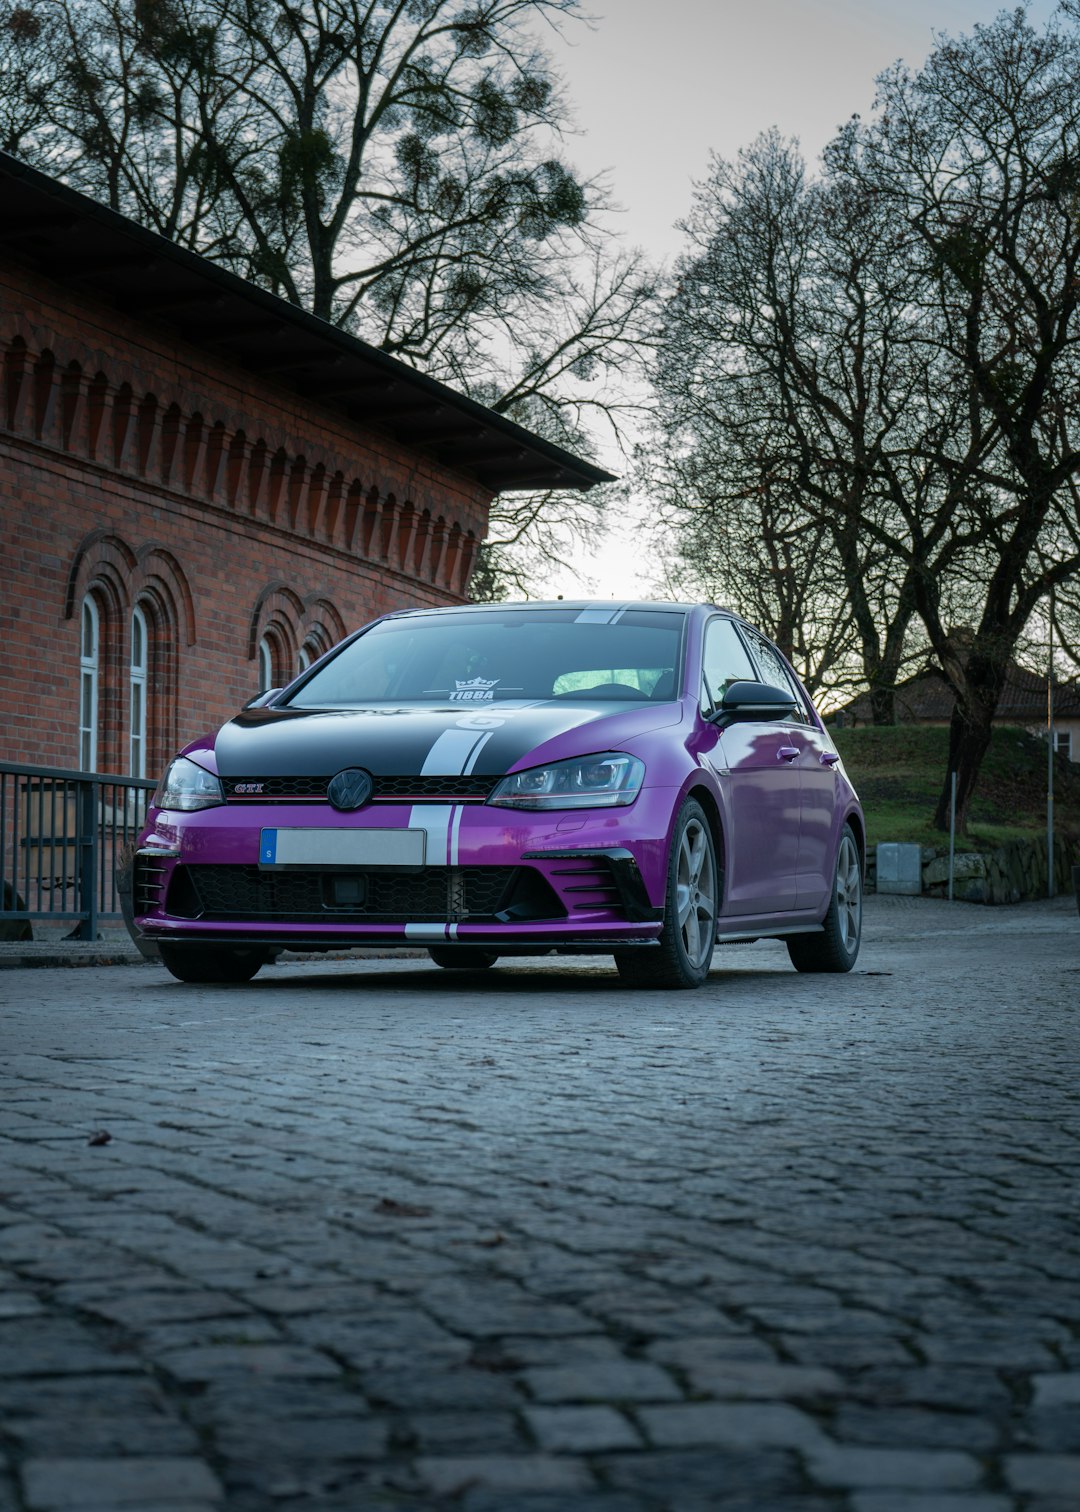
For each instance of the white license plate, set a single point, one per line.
(342, 847)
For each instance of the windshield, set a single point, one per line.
(485, 656)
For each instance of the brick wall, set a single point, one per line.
(138, 470)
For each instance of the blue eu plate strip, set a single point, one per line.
(268, 848)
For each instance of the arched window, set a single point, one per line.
(138, 678)
(316, 642)
(89, 683)
(268, 660)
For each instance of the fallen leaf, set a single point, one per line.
(401, 1209)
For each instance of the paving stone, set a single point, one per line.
(849, 1352)
(198, 1365)
(1053, 1430)
(930, 1501)
(319, 1438)
(139, 1310)
(960, 1389)
(617, 1381)
(915, 1427)
(911, 1469)
(738, 1379)
(1059, 1390)
(712, 1351)
(56, 1485)
(52, 1346)
(581, 1430)
(557, 1501)
(690, 1478)
(293, 1299)
(102, 1435)
(407, 1388)
(452, 1475)
(1044, 1474)
(469, 1433)
(730, 1425)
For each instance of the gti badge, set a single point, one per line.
(350, 789)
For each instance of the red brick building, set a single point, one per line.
(203, 487)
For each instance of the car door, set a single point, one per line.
(755, 765)
(817, 781)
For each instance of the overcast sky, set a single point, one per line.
(656, 85)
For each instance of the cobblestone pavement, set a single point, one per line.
(377, 1236)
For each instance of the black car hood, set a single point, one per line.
(486, 739)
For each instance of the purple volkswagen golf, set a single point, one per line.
(645, 780)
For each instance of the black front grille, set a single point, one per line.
(431, 789)
(436, 894)
(386, 790)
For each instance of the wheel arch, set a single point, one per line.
(707, 799)
(855, 819)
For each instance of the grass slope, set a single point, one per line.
(898, 772)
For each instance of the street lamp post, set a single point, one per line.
(1050, 756)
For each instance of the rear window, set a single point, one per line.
(490, 656)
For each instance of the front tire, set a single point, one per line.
(838, 947)
(685, 951)
(461, 957)
(211, 963)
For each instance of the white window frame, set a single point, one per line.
(89, 682)
(138, 682)
(266, 664)
(1063, 743)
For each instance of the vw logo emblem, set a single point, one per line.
(350, 789)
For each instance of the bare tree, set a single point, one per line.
(785, 377)
(391, 165)
(978, 156)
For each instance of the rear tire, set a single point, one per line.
(461, 957)
(838, 947)
(211, 963)
(684, 954)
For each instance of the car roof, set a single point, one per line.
(595, 606)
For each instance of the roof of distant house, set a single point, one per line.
(77, 240)
(927, 698)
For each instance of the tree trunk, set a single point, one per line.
(970, 730)
(883, 704)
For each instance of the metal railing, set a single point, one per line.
(63, 835)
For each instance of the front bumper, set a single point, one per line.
(503, 878)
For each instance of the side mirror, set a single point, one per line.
(754, 700)
(262, 698)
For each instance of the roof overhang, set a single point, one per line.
(85, 245)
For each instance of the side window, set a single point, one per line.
(725, 659)
(776, 674)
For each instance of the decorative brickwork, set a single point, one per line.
(141, 470)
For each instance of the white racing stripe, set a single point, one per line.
(434, 819)
(598, 616)
(450, 754)
(455, 833)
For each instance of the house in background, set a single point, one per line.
(202, 487)
(927, 699)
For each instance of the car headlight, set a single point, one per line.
(606, 781)
(188, 787)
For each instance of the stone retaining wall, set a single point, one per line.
(1011, 873)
